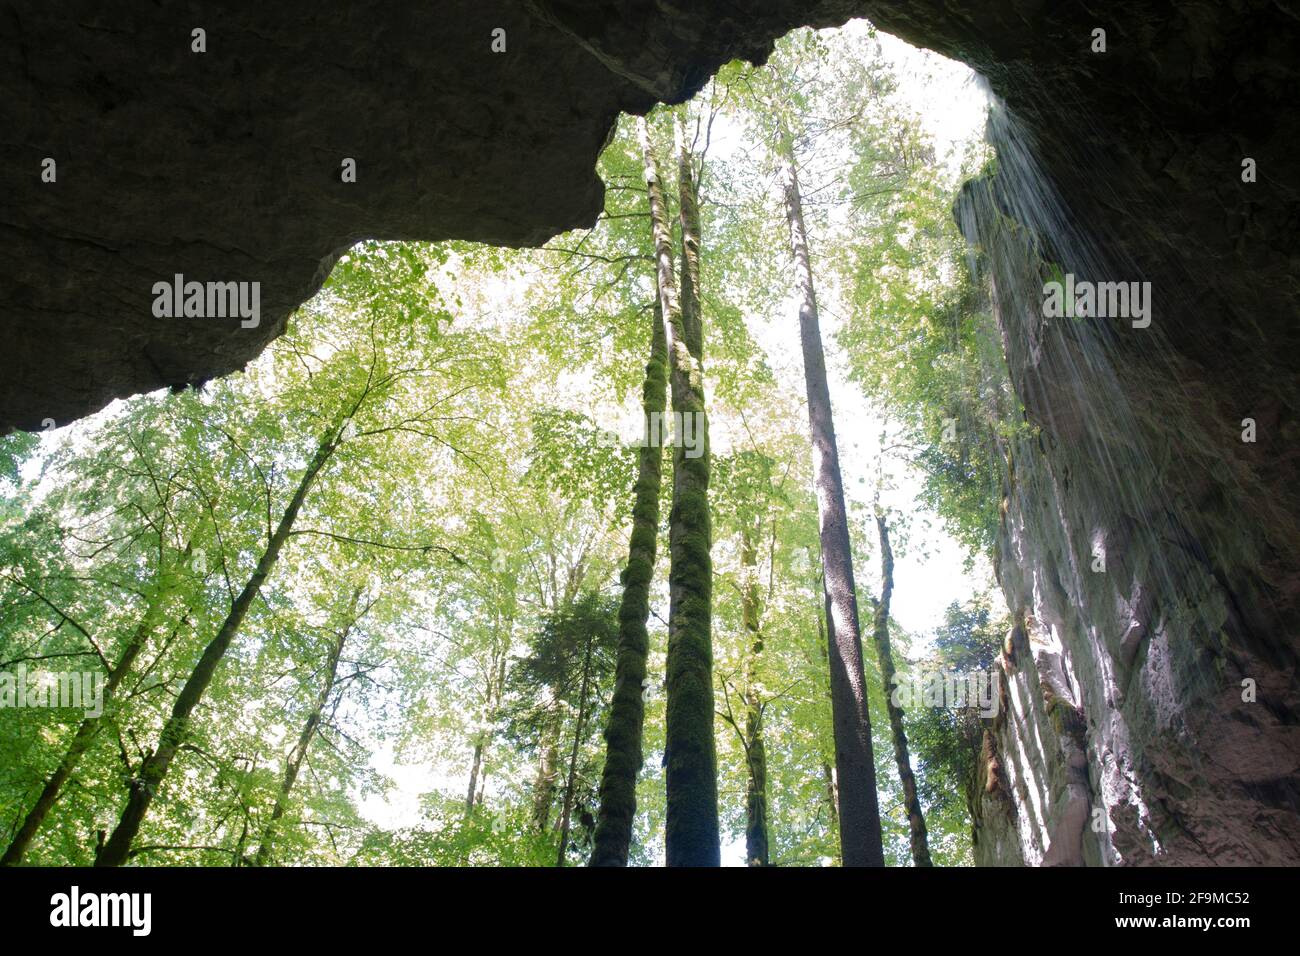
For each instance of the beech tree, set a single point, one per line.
(691, 834)
(151, 528)
(623, 755)
(880, 634)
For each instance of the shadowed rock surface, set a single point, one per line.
(225, 166)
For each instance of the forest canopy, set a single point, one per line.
(550, 556)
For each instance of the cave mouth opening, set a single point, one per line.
(393, 560)
(476, 382)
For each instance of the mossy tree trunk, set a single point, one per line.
(861, 843)
(623, 755)
(688, 206)
(691, 832)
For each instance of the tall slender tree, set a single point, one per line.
(623, 756)
(756, 815)
(158, 515)
(688, 208)
(579, 732)
(154, 769)
(494, 680)
(691, 832)
(911, 803)
(544, 781)
(861, 843)
(89, 727)
(298, 755)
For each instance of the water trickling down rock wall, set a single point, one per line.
(1122, 166)
(1147, 717)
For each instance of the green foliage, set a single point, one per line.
(487, 837)
(579, 459)
(14, 449)
(921, 339)
(947, 741)
(575, 644)
(465, 540)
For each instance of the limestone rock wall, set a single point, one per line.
(224, 166)
(1150, 706)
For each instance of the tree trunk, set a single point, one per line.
(566, 816)
(828, 772)
(473, 775)
(915, 819)
(482, 782)
(623, 756)
(832, 790)
(154, 769)
(691, 833)
(496, 681)
(861, 843)
(86, 732)
(833, 800)
(299, 752)
(544, 787)
(756, 838)
(688, 203)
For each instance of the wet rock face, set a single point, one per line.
(1139, 454)
(1144, 145)
(1128, 736)
(1153, 711)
